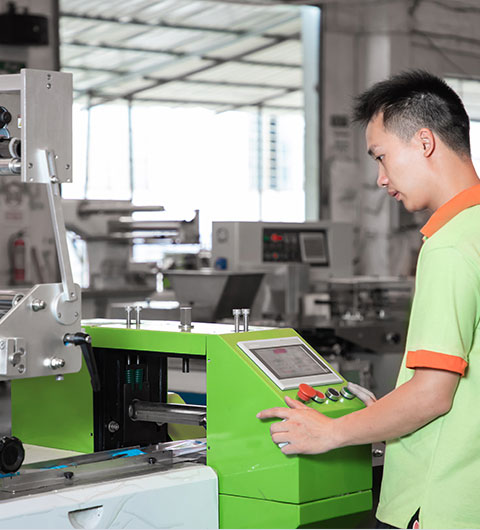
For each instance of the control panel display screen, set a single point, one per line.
(290, 361)
(313, 247)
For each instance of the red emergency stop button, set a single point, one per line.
(306, 392)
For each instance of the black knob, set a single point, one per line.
(332, 394)
(5, 117)
(12, 454)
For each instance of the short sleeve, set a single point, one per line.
(445, 311)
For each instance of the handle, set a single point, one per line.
(85, 342)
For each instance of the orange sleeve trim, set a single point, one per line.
(440, 361)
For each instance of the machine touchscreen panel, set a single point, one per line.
(288, 361)
(314, 248)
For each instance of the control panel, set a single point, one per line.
(289, 362)
(327, 247)
(295, 246)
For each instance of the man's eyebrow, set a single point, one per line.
(371, 150)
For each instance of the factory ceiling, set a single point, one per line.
(218, 55)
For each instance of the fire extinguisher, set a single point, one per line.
(18, 259)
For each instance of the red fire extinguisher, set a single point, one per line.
(18, 260)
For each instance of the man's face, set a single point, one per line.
(400, 165)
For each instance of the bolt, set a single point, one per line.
(128, 310)
(68, 475)
(38, 305)
(2, 344)
(113, 426)
(59, 315)
(67, 166)
(56, 362)
(49, 85)
(236, 317)
(30, 165)
(138, 308)
(152, 460)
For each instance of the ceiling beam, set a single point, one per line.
(208, 49)
(228, 105)
(236, 84)
(133, 93)
(132, 21)
(172, 53)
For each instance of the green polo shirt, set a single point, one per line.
(437, 468)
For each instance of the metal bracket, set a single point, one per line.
(13, 356)
(58, 222)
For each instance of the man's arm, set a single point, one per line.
(428, 395)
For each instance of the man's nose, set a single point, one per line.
(382, 180)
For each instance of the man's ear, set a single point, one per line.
(427, 141)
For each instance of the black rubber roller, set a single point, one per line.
(12, 454)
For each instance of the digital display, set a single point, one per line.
(314, 247)
(290, 361)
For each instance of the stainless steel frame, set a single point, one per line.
(32, 331)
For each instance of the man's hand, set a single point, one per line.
(428, 395)
(303, 429)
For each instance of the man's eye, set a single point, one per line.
(379, 158)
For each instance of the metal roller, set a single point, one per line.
(10, 166)
(9, 299)
(10, 147)
(168, 413)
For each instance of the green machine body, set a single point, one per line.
(259, 486)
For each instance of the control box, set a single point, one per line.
(327, 247)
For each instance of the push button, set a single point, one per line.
(332, 394)
(306, 392)
(319, 397)
(346, 393)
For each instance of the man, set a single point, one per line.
(417, 131)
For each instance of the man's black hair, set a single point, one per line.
(415, 99)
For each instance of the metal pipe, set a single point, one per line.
(10, 166)
(168, 413)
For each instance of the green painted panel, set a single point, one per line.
(54, 413)
(245, 512)
(147, 340)
(240, 449)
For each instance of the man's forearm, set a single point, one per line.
(426, 396)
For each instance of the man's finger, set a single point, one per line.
(278, 426)
(276, 412)
(280, 437)
(294, 404)
(289, 449)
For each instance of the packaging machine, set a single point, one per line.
(258, 486)
(114, 408)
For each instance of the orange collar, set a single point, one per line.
(465, 199)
